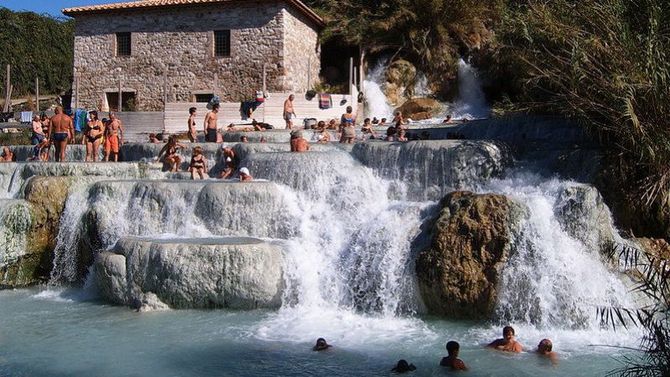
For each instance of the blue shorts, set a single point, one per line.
(60, 136)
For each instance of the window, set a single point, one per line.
(122, 44)
(222, 43)
(203, 97)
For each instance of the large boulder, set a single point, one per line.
(420, 108)
(237, 273)
(400, 80)
(471, 242)
(30, 231)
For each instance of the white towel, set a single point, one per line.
(26, 116)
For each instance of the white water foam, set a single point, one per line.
(471, 103)
(376, 104)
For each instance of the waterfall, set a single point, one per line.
(375, 99)
(556, 277)
(471, 103)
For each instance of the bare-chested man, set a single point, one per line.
(113, 137)
(210, 124)
(192, 133)
(62, 131)
(507, 343)
(289, 112)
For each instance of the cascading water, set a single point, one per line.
(471, 103)
(376, 104)
(555, 279)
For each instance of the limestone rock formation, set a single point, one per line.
(471, 242)
(400, 79)
(420, 108)
(584, 215)
(32, 226)
(237, 273)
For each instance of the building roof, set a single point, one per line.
(141, 4)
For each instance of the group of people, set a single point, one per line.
(507, 343)
(58, 131)
(198, 168)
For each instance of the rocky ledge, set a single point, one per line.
(236, 273)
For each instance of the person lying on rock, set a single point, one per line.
(507, 343)
(452, 361)
(321, 345)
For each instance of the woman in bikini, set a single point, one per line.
(93, 136)
(198, 165)
(347, 125)
(170, 149)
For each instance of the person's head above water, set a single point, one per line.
(545, 346)
(508, 332)
(453, 348)
(321, 345)
(403, 366)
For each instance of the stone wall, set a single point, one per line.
(302, 53)
(173, 48)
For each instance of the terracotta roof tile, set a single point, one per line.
(101, 8)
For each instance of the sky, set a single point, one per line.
(52, 7)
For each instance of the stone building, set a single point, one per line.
(158, 51)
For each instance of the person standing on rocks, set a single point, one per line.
(93, 134)
(192, 133)
(289, 112)
(113, 137)
(211, 124)
(507, 343)
(347, 125)
(62, 131)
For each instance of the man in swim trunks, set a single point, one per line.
(289, 112)
(192, 133)
(210, 124)
(507, 343)
(112, 138)
(62, 131)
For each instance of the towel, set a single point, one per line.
(80, 119)
(26, 116)
(325, 102)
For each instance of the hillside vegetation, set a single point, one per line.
(35, 46)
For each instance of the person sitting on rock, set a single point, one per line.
(298, 143)
(332, 124)
(507, 343)
(403, 367)
(198, 165)
(402, 135)
(321, 345)
(153, 139)
(391, 133)
(244, 139)
(544, 349)
(367, 129)
(7, 155)
(452, 359)
(171, 159)
(245, 175)
(231, 161)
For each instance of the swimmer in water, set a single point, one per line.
(321, 345)
(452, 359)
(544, 349)
(507, 343)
